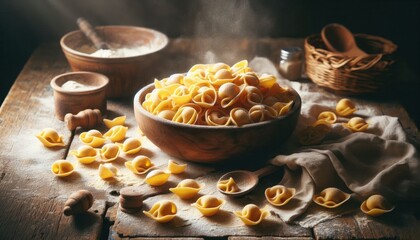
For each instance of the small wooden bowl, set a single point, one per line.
(212, 144)
(74, 100)
(126, 74)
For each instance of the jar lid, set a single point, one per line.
(291, 53)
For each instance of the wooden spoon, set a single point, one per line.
(339, 39)
(91, 33)
(246, 180)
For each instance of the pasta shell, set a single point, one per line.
(109, 152)
(116, 133)
(251, 96)
(325, 118)
(356, 124)
(217, 117)
(187, 114)
(92, 138)
(157, 178)
(85, 154)
(267, 80)
(252, 214)
(260, 113)
(139, 165)
(50, 138)
(376, 205)
(167, 114)
(282, 108)
(228, 186)
(115, 122)
(131, 146)
(162, 211)
(313, 135)
(176, 168)
(176, 78)
(107, 171)
(331, 198)
(208, 205)
(240, 116)
(228, 94)
(205, 97)
(279, 195)
(62, 168)
(187, 188)
(250, 79)
(345, 107)
(240, 67)
(181, 95)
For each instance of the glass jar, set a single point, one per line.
(290, 66)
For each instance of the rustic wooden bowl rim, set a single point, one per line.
(103, 82)
(143, 91)
(121, 28)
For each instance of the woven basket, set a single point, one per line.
(350, 75)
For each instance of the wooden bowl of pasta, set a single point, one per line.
(212, 137)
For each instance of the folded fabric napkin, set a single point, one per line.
(380, 160)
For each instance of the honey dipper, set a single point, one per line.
(78, 202)
(87, 118)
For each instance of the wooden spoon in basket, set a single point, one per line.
(339, 39)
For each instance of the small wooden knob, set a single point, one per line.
(78, 202)
(86, 119)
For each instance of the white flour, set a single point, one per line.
(122, 52)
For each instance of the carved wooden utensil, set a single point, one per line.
(339, 39)
(246, 180)
(91, 33)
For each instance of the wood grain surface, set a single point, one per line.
(32, 198)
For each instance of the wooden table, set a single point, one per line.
(32, 198)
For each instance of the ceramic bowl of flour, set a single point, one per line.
(130, 63)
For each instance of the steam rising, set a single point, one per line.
(224, 20)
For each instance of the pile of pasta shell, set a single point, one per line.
(219, 95)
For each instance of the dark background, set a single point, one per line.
(27, 23)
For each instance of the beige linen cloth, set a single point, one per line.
(381, 160)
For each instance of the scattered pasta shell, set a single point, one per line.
(107, 171)
(109, 152)
(228, 186)
(140, 165)
(313, 135)
(50, 138)
(376, 205)
(131, 146)
(157, 178)
(345, 107)
(92, 138)
(62, 168)
(115, 122)
(162, 211)
(252, 214)
(176, 168)
(85, 154)
(279, 195)
(356, 124)
(116, 133)
(187, 188)
(208, 205)
(331, 198)
(326, 118)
